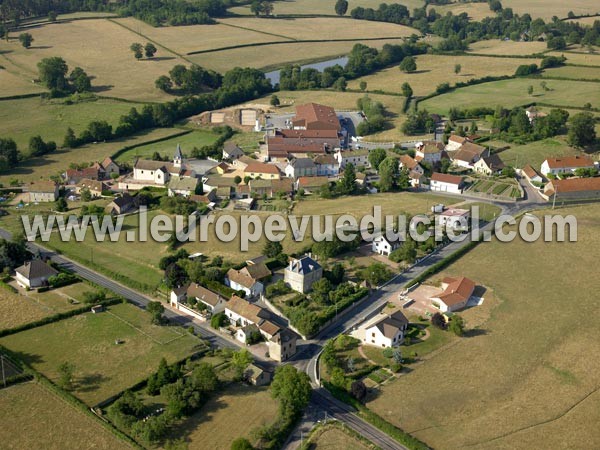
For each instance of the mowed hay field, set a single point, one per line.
(573, 72)
(33, 417)
(308, 7)
(548, 8)
(273, 56)
(234, 413)
(101, 48)
(102, 367)
(334, 438)
(585, 59)
(513, 92)
(529, 378)
(322, 28)
(534, 153)
(475, 11)
(58, 161)
(507, 48)
(433, 70)
(21, 119)
(13, 84)
(16, 310)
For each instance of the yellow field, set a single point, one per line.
(527, 379)
(335, 438)
(320, 7)
(279, 54)
(434, 70)
(229, 415)
(548, 8)
(476, 11)
(586, 59)
(500, 47)
(585, 20)
(11, 83)
(33, 417)
(16, 310)
(322, 28)
(197, 37)
(101, 48)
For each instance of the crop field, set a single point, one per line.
(329, 437)
(507, 48)
(102, 367)
(101, 48)
(534, 153)
(511, 93)
(167, 148)
(43, 419)
(585, 20)
(11, 83)
(52, 118)
(58, 161)
(540, 370)
(321, 28)
(433, 70)
(228, 415)
(476, 11)
(300, 7)
(548, 8)
(585, 59)
(573, 72)
(277, 55)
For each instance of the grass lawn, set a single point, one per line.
(573, 72)
(58, 300)
(16, 310)
(534, 153)
(334, 437)
(531, 356)
(508, 48)
(436, 69)
(34, 417)
(548, 8)
(319, 7)
(52, 118)
(233, 413)
(167, 148)
(57, 162)
(101, 48)
(102, 368)
(511, 93)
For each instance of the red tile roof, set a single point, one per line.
(446, 178)
(257, 167)
(316, 117)
(573, 185)
(570, 161)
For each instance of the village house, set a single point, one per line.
(531, 175)
(566, 164)
(280, 149)
(271, 188)
(455, 142)
(282, 346)
(249, 279)
(110, 167)
(411, 164)
(121, 205)
(573, 189)
(358, 158)
(242, 162)
(456, 294)
(311, 185)
(313, 116)
(489, 165)
(205, 199)
(383, 246)
(223, 186)
(183, 186)
(327, 166)
(42, 191)
(454, 218)
(533, 114)
(301, 167)
(213, 302)
(231, 151)
(262, 170)
(157, 173)
(300, 274)
(385, 330)
(443, 182)
(429, 151)
(74, 176)
(468, 154)
(96, 188)
(256, 375)
(34, 274)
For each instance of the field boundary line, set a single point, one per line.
(156, 341)
(257, 31)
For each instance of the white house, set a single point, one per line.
(182, 186)
(327, 166)
(443, 182)
(384, 330)
(429, 151)
(489, 165)
(34, 273)
(383, 246)
(157, 173)
(300, 167)
(249, 279)
(531, 174)
(43, 191)
(468, 155)
(455, 142)
(456, 294)
(567, 164)
(300, 274)
(213, 302)
(358, 158)
(454, 218)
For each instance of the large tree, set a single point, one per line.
(388, 174)
(9, 155)
(408, 64)
(376, 156)
(348, 182)
(582, 131)
(292, 388)
(53, 74)
(341, 7)
(80, 80)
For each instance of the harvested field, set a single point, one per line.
(585, 59)
(476, 11)
(16, 310)
(434, 70)
(548, 8)
(507, 48)
(11, 83)
(319, 6)
(335, 438)
(585, 20)
(574, 73)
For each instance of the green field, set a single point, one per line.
(33, 417)
(510, 93)
(319, 6)
(573, 72)
(534, 153)
(167, 148)
(52, 118)
(530, 357)
(102, 367)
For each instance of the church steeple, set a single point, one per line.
(178, 158)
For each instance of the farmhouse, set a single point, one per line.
(110, 167)
(96, 188)
(311, 185)
(531, 174)
(489, 165)
(213, 302)
(468, 154)
(532, 114)
(443, 182)
(430, 152)
(301, 167)
(232, 151)
(573, 188)
(74, 176)
(411, 164)
(183, 186)
(271, 188)
(384, 330)
(313, 116)
(455, 142)
(567, 164)
(456, 294)
(157, 173)
(262, 170)
(121, 205)
(358, 158)
(42, 191)
(34, 273)
(383, 246)
(248, 279)
(327, 166)
(301, 273)
(279, 148)
(454, 218)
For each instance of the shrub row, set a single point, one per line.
(119, 152)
